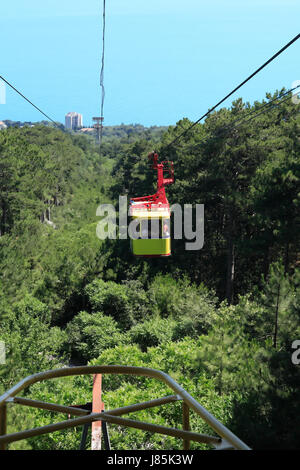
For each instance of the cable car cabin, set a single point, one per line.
(151, 235)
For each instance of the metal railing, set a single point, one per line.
(225, 438)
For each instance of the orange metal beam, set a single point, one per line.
(97, 407)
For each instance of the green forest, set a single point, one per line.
(221, 320)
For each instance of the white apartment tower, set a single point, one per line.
(73, 120)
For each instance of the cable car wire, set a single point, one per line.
(102, 74)
(249, 117)
(257, 112)
(234, 90)
(30, 102)
(254, 111)
(265, 110)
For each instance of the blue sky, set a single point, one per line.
(165, 59)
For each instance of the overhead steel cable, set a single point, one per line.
(102, 74)
(30, 102)
(266, 105)
(233, 91)
(249, 117)
(259, 111)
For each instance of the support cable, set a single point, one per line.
(249, 117)
(102, 75)
(30, 102)
(233, 91)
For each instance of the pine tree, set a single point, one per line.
(276, 297)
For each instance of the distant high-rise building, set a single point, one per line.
(73, 120)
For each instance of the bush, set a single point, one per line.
(152, 332)
(127, 303)
(193, 307)
(89, 334)
(31, 343)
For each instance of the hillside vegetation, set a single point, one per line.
(220, 320)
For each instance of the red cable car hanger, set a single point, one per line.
(165, 176)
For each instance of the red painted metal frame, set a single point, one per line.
(97, 407)
(164, 168)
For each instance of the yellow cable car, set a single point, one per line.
(152, 234)
(152, 237)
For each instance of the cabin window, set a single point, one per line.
(165, 228)
(144, 228)
(155, 228)
(136, 234)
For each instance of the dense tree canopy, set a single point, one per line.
(220, 320)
